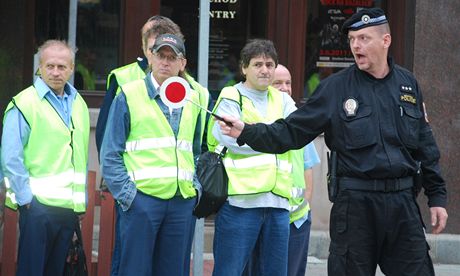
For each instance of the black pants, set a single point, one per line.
(370, 228)
(44, 239)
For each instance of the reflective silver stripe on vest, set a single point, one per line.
(150, 143)
(8, 193)
(58, 186)
(148, 173)
(184, 145)
(258, 160)
(297, 192)
(284, 165)
(7, 182)
(294, 208)
(250, 162)
(157, 143)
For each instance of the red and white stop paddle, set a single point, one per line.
(175, 92)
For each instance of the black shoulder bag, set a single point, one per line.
(211, 173)
(75, 263)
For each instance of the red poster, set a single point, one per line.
(334, 50)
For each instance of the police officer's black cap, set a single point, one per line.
(170, 40)
(364, 18)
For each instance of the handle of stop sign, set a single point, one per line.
(175, 91)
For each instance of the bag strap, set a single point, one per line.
(220, 150)
(78, 231)
(83, 253)
(223, 150)
(241, 98)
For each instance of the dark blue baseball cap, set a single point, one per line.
(364, 18)
(170, 40)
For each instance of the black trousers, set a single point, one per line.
(44, 239)
(376, 228)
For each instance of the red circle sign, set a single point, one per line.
(175, 92)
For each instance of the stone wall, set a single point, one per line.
(437, 68)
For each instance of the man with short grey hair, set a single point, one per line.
(45, 157)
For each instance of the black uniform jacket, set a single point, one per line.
(377, 127)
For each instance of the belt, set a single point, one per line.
(376, 185)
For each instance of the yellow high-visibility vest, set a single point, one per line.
(158, 162)
(255, 173)
(55, 155)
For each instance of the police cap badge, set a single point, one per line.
(364, 18)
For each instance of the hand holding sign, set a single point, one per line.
(175, 91)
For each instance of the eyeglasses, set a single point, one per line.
(162, 56)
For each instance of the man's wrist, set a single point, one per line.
(437, 202)
(244, 133)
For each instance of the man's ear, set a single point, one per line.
(386, 41)
(243, 70)
(184, 63)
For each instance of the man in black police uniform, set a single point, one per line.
(372, 114)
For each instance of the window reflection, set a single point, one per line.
(232, 23)
(51, 20)
(97, 36)
(327, 49)
(98, 41)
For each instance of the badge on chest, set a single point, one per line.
(350, 106)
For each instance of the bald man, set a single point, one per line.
(300, 217)
(282, 80)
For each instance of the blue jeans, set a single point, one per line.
(298, 248)
(297, 252)
(155, 236)
(236, 233)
